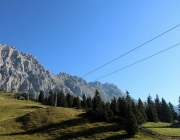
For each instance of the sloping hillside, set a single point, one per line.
(21, 119)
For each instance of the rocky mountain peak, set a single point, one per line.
(23, 72)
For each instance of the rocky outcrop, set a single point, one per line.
(22, 72)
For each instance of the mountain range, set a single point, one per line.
(22, 72)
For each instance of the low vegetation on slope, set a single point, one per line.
(21, 119)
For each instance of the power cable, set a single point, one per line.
(131, 50)
(138, 61)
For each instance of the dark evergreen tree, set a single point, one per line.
(151, 110)
(96, 100)
(131, 126)
(51, 99)
(122, 107)
(128, 98)
(114, 106)
(77, 102)
(69, 99)
(173, 113)
(84, 103)
(108, 114)
(61, 99)
(158, 108)
(141, 108)
(89, 102)
(167, 117)
(98, 112)
(41, 96)
(136, 113)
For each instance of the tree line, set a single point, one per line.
(131, 113)
(63, 100)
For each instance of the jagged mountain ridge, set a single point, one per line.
(22, 71)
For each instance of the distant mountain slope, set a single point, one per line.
(22, 71)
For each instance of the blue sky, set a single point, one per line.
(77, 36)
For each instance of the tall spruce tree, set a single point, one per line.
(108, 114)
(131, 126)
(122, 107)
(167, 116)
(136, 113)
(114, 106)
(69, 99)
(84, 102)
(77, 102)
(151, 110)
(89, 102)
(141, 109)
(61, 99)
(158, 107)
(96, 100)
(99, 111)
(128, 98)
(41, 96)
(51, 99)
(173, 113)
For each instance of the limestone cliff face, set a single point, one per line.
(22, 71)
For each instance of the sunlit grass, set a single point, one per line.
(158, 124)
(20, 119)
(165, 129)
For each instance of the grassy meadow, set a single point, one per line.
(165, 129)
(28, 120)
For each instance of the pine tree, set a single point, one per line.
(108, 114)
(98, 113)
(158, 107)
(96, 100)
(77, 102)
(151, 111)
(136, 113)
(121, 107)
(128, 98)
(141, 108)
(69, 99)
(41, 97)
(61, 99)
(167, 117)
(89, 102)
(131, 126)
(114, 106)
(84, 103)
(51, 99)
(173, 113)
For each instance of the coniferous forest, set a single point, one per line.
(130, 113)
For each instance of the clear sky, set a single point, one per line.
(77, 36)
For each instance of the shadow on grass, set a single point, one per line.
(59, 129)
(119, 137)
(88, 133)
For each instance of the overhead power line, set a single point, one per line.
(138, 61)
(131, 50)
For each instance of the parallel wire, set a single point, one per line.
(131, 50)
(139, 61)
